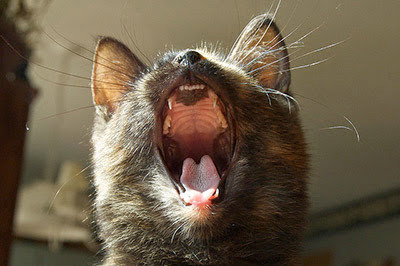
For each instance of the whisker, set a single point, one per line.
(240, 35)
(58, 114)
(290, 18)
(60, 83)
(284, 38)
(266, 30)
(292, 68)
(319, 49)
(73, 43)
(132, 39)
(237, 15)
(56, 70)
(62, 186)
(297, 41)
(40, 65)
(269, 51)
(354, 128)
(69, 111)
(89, 59)
(273, 62)
(310, 32)
(177, 229)
(336, 127)
(301, 38)
(78, 86)
(250, 37)
(308, 65)
(281, 30)
(298, 27)
(134, 43)
(91, 51)
(273, 91)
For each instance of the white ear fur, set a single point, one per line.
(261, 51)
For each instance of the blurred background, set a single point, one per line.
(346, 77)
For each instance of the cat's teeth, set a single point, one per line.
(192, 87)
(213, 97)
(216, 194)
(167, 125)
(222, 119)
(170, 103)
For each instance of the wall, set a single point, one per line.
(369, 242)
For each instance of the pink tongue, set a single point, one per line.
(200, 181)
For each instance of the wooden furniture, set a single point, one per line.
(16, 95)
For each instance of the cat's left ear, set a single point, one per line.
(260, 50)
(115, 68)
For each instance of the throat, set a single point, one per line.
(196, 142)
(196, 145)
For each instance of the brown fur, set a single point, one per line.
(260, 217)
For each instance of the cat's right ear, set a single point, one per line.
(261, 51)
(115, 68)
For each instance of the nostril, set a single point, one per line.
(188, 58)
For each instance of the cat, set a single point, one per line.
(199, 159)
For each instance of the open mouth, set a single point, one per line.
(197, 142)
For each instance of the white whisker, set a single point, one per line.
(266, 30)
(173, 235)
(268, 91)
(309, 65)
(355, 130)
(319, 50)
(241, 33)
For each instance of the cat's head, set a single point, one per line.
(199, 145)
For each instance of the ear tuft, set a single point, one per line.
(115, 68)
(261, 51)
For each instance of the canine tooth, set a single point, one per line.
(170, 104)
(202, 86)
(181, 88)
(216, 194)
(213, 97)
(167, 125)
(222, 120)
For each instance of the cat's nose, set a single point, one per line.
(188, 58)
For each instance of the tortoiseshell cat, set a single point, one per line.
(199, 159)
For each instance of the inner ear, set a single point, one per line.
(115, 68)
(261, 51)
